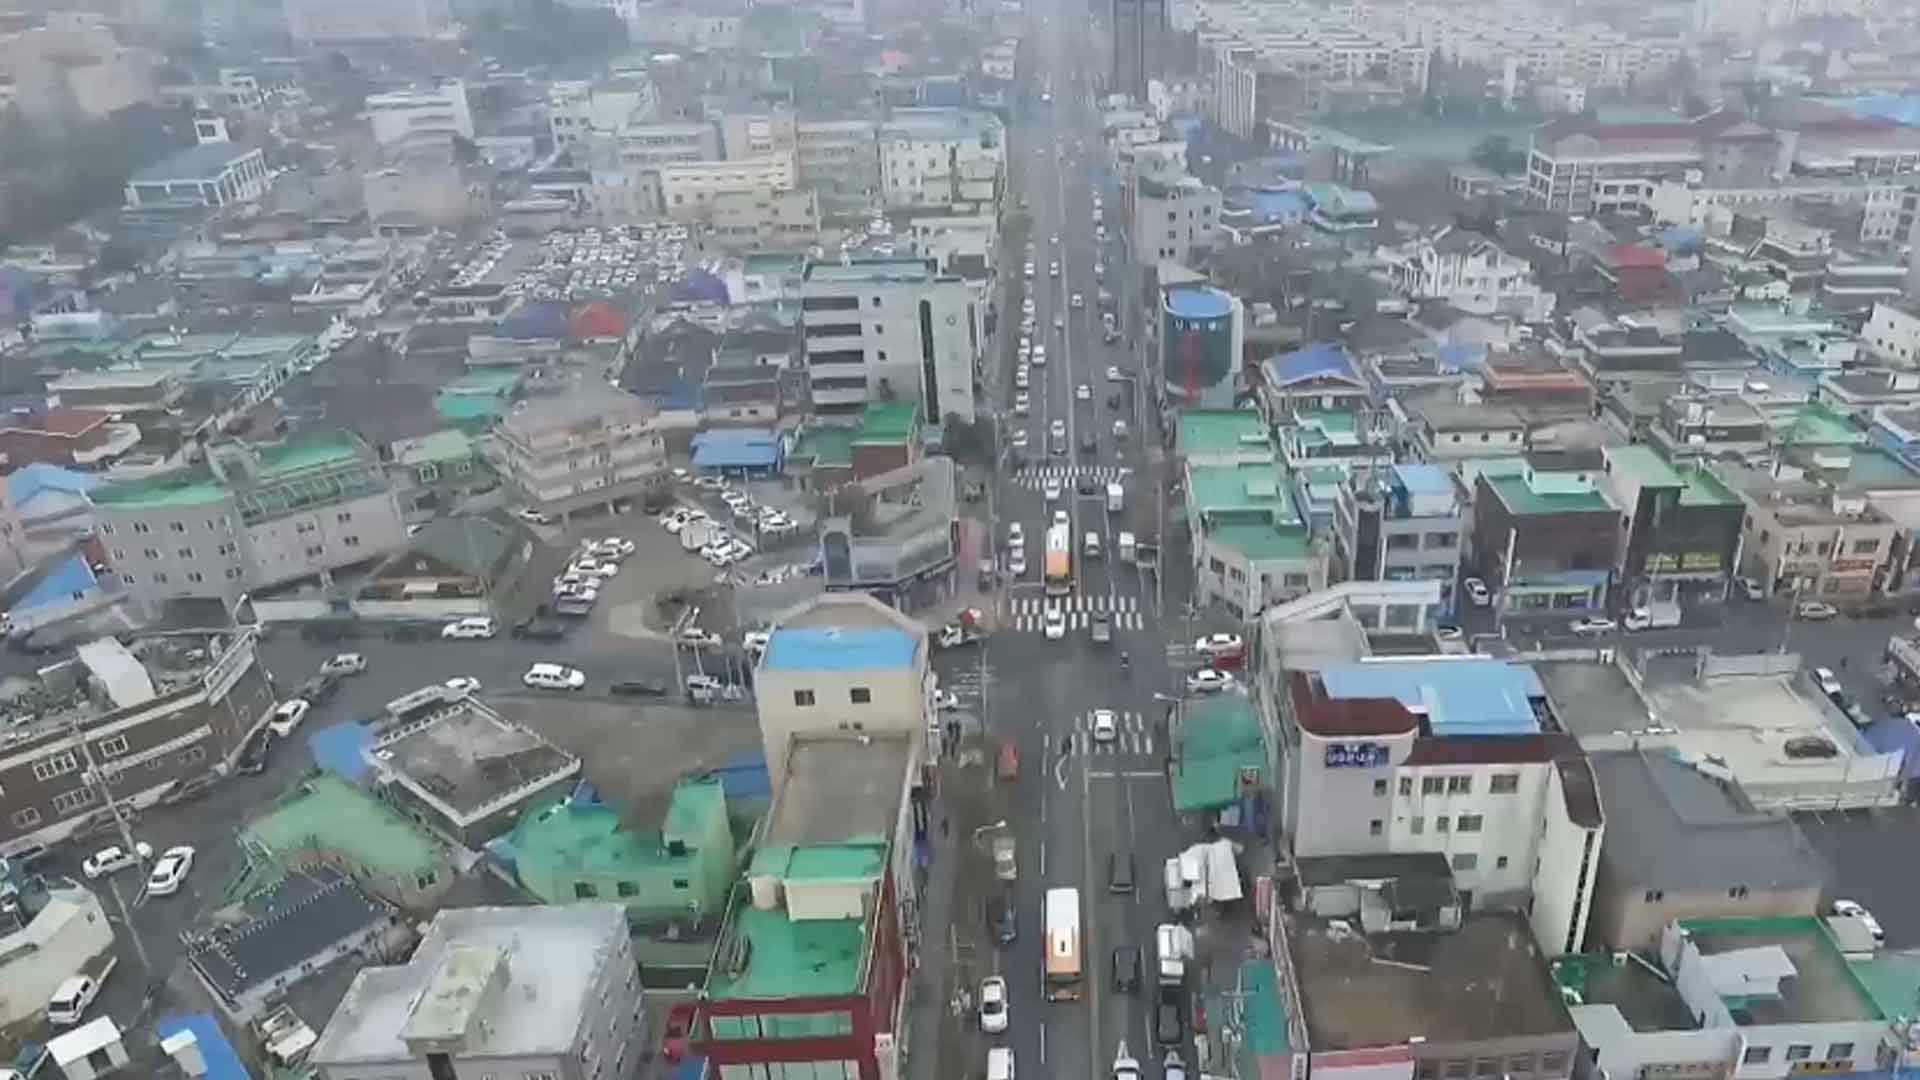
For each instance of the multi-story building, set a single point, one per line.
(1171, 218)
(1201, 332)
(747, 136)
(1680, 526)
(1403, 523)
(787, 219)
(59, 435)
(127, 722)
(1292, 59)
(1451, 756)
(1473, 273)
(625, 166)
(1546, 540)
(562, 453)
(543, 991)
(904, 536)
(938, 157)
(251, 517)
(1139, 45)
(1538, 47)
(1251, 548)
(210, 175)
(1812, 538)
(688, 190)
(1893, 333)
(881, 329)
(70, 66)
(324, 22)
(1699, 203)
(578, 111)
(405, 119)
(840, 160)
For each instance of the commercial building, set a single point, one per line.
(577, 111)
(688, 190)
(884, 329)
(1681, 526)
(1403, 523)
(289, 930)
(340, 22)
(1544, 540)
(811, 969)
(1819, 534)
(1139, 45)
(1250, 547)
(211, 175)
(1680, 845)
(937, 157)
(511, 991)
(144, 717)
(249, 518)
(843, 661)
(1171, 217)
(426, 117)
(840, 161)
(581, 448)
(442, 766)
(1201, 333)
(1451, 756)
(71, 67)
(1446, 432)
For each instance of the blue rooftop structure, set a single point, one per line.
(1272, 204)
(1425, 479)
(30, 480)
(337, 747)
(833, 648)
(738, 448)
(1458, 697)
(1322, 361)
(1198, 302)
(1461, 357)
(71, 578)
(222, 1062)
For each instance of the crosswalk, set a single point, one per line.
(1029, 612)
(1036, 476)
(1131, 735)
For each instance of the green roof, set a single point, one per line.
(326, 813)
(826, 447)
(694, 803)
(1222, 432)
(588, 838)
(890, 423)
(1645, 465)
(1875, 468)
(853, 861)
(1522, 499)
(1262, 543)
(280, 463)
(1892, 981)
(1264, 1021)
(1817, 425)
(1213, 489)
(787, 958)
(1218, 738)
(1705, 489)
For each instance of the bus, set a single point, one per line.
(1059, 565)
(1063, 945)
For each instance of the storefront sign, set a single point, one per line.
(1364, 755)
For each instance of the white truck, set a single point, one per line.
(1179, 894)
(70, 1000)
(1174, 945)
(1116, 498)
(696, 534)
(1656, 616)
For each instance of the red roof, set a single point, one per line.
(1336, 718)
(1633, 256)
(596, 320)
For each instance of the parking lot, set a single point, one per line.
(1869, 852)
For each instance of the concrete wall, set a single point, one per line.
(1713, 664)
(898, 703)
(1623, 917)
(1624, 1052)
(1338, 806)
(29, 977)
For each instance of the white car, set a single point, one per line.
(1060, 517)
(347, 663)
(1040, 355)
(1017, 564)
(1106, 726)
(1029, 270)
(464, 685)
(1208, 681)
(993, 1005)
(477, 628)
(1051, 489)
(695, 638)
(1083, 392)
(1021, 403)
(113, 859)
(1827, 681)
(1477, 592)
(554, 677)
(1593, 625)
(612, 547)
(1219, 645)
(1059, 322)
(1113, 373)
(1016, 533)
(170, 872)
(1076, 300)
(1053, 269)
(288, 716)
(755, 642)
(594, 568)
(1022, 380)
(1055, 624)
(532, 516)
(1019, 439)
(1058, 428)
(946, 700)
(1852, 909)
(1815, 611)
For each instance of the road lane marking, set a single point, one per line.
(1043, 1042)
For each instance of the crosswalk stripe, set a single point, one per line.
(1131, 620)
(1098, 602)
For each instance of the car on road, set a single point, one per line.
(477, 628)
(1588, 625)
(693, 637)
(113, 858)
(1055, 624)
(1019, 438)
(1057, 428)
(1828, 682)
(993, 1005)
(287, 716)
(1750, 588)
(463, 685)
(1120, 872)
(1853, 909)
(170, 872)
(1169, 1018)
(554, 677)
(1057, 445)
(1017, 564)
(532, 516)
(1446, 632)
(1086, 485)
(1003, 920)
(1113, 373)
(1477, 592)
(1076, 300)
(1815, 611)
(346, 663)
(1208, 681)
(539, 628)
(1016, 534)
(1059, 516)
(1051, 489)
(638, 687)
(1083, 392)
(1022, 403)
(1039, 354)
(1028, 270)
(1106, 726)
(1173, 1068)
(253, 752)
(1022, 380)
(1126, 968)
(1053, 268)
(1059, 322)
(318, 689)
(1220, 645)
(1088, 443)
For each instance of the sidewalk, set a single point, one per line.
(942, 1035)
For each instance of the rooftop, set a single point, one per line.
(194, 163)
(1819, 986)
(840, 788)
(874, 269)
(887, 424)
(1618, 997)
(1457, 697)
(1263, 543)
(1198, 302)
(1218, 740)
(1643, 465)
(282, 928)
(574, 408)
(551, 958)
(1521, 499)
(1223, 433)
(324, 813)
(825, 447)
(283, 477)
(1484, 981)
(848, 611)
(468, 762)
(788, 958)
(105, 677)
(1214, 489)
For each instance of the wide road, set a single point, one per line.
(1078, 801)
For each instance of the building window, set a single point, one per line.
(1459, 785)
(1738, 892)
(1840, 1051)
(1379, 789)
(1375, 828)
(1799, 1051)
(1757, 1055)
(151, 553)
(584, 890)
(350, 541)
(315, 551)
(1520, 1064)
(627, 888)
(1654, 896)
(185, 553)
(1553, 1061)
(27, 818)
(803, 699)
(1505, 783)
(1466, 860)
(1860, 547)
(69, 801)
(142, 528)
(1441, 823)
(106, 529)
(1406, 786)
(681, 883)
(1417, 825)
(55, 765)
(343, 516)
(112, 747)
(1433, 785)
(1468, 823)
(177, 526)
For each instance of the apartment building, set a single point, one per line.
(437, 115)
(577, 111)
(584, 447)
(840, 161)
(1171, 218)
(745, 221)
(753, 135)
(1139, 45)
(1538, 46)
(882, 329)
(1403, 523)
(210, 175)
(1470, 272)
(688, 190)
(937, 157)
(145, 716)
(1693, 201)
(250, 517)
(1809, 538)
(1289, 60)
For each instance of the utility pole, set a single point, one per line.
(98, 783)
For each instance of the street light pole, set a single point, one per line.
(98, 783)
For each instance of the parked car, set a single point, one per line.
(554, 677)
(638, 687)
(1477, 592)
(1593, 625)
(1853, 909)
(170, 872)
(464, 685)
(287, 716)
(346, 663)
(532, 516)
(1208, 681)
(537, 628)
(993, 1005)
(1219, 645)
(1815, 610)
(1126, 968)
(1828, 682)
(253, 753)
(477, 628)
(318, 689)
(693, 637)
(113, 859)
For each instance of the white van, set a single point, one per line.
(1125, 543)
(1000, 1063)
(1093, 545)
(1116, 498)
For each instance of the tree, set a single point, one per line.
(969, 443)
(1496, 153)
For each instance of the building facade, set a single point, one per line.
(886, 329)
(564, 453)
(1408, 523)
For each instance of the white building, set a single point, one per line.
(934, 157)
(210, 175)
(435, 115)
(579, 110)
(68, 932)
(688, 190)
(840, 161)
(890, 328)
(1893, 333)
(1545, 46)
(1172, 218)
(1693, 202)
(1472, 273)
(316, 22)
(581, 448)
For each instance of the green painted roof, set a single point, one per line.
(1263, 542)
(694, 804)
(1705, 489)
(326, 813)
(826, 447)
(1817, 425)
(587, 839)
(1213, 489)
(278, 463)
(1522, 499)
(789, 959)
(1645, 465)
(1892, 980)
(852, 861)
(1264, 1023)
(1218, 737)
(1221, 432)
(890, 423)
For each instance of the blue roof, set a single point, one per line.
(222, 1062)
(30, 480)
(833, 648)
(1461, 357)
(337, 747)
(60, 584)
(1270, 204)
(1325, 360)
(736, 448)
(1198, 302)
(1425, 479)
(1458, 697)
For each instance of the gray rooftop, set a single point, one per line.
(542, 962)
(194, 163)
(470, 760)
(839, 787)
(1671, 828)
(283, 927)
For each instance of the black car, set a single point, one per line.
(1002, 921)
(536, 628)
(1120, 871)
(1170, 1017)
(1087, 485)
(317, 689)
(1088, 443)
(639, 688)
(1126, 968)
(253, 754)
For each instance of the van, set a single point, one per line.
(1120, 871)
(1000, 1063)
(1116, 498)
(70, 1001)
(1126, 545)
(1093, 545)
